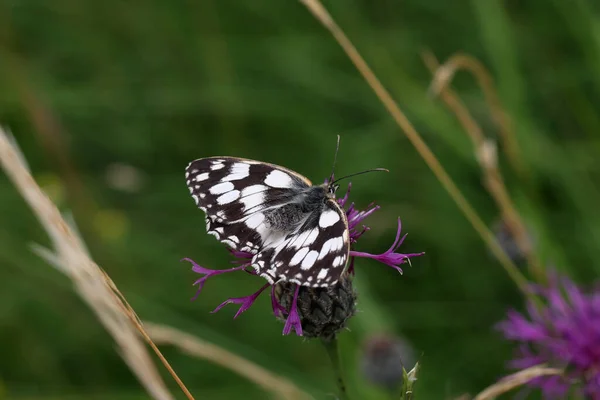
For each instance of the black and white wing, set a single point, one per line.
(235, 192)
(314, 255)
(258, 208)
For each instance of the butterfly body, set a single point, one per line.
(295, 231)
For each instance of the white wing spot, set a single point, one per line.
(238, 171)
(221, 188)
(309, 260)
(279, 179)
(216, 165)
(322, 273)
(305, 238)
(345, 236)
(195, 198)
(253, 196)
(228, 197)
(202, 195)
(228, 243)
(312, 236)
(298, 256)
(234, 239)
(338, 261)
(328, 218)
(202, 177)
(331, 245)
(255, 220)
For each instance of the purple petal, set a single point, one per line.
(208, 273)
(390, 258)
(246, 302)
(519, 328)
(356, 217)
(397, 241)
(342, 201)
(242, 257)
(293, 319)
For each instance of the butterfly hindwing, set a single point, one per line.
(315, 255)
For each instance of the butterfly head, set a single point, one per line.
(332, 188)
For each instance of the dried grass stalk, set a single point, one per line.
(323, 16)
(515, 380)
(71, 258)
(485, 149)
(200, 348)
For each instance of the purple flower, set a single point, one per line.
(290, 313)
(563, 333)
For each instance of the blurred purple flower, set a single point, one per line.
(292, 321)
(563, 333)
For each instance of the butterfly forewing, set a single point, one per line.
(231, 191)
(294, 230)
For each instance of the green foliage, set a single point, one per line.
(156, 84)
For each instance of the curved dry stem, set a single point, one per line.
(317, 9)
(486, 153)
(71, 258)
(515, 380)
(443, 76)
(200, 348)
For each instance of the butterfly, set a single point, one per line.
(295, 231)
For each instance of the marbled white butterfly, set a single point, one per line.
(296, 231)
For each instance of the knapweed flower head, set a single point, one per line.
(322, 311)
(563, 333)
(313, 312)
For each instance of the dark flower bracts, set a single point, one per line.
(313, 312)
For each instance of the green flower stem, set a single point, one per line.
(332, 349)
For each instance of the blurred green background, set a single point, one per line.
(110, 100)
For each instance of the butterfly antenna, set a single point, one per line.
(360, 173)
(337, 147)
